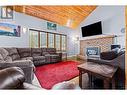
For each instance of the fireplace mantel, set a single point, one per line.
(98, 37)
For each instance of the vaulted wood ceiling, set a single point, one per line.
(70, 16)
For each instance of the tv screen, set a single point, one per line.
(92, 29)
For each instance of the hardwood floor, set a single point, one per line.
(74, 58)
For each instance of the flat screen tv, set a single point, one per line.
(92, 29)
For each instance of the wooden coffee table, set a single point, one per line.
(102, 71)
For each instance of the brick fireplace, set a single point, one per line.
(104, 42)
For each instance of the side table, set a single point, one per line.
(102, 71)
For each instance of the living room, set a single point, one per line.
(58, 36)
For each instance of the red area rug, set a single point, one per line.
(49, 75)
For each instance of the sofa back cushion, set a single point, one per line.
(13, 53)
(43, 51)
(4, 53)
(4, 56)
(8, 59)
(36, 52)
(24, 52)
(1, 58)
(51, 50)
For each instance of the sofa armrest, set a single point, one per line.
(101, 61)
(98, 60)
(26, 65)
(20, 63)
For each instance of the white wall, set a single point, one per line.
(34, 23)
(113, 20)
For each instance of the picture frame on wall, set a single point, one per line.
(51, 26)
(6, 12)
(7, 29)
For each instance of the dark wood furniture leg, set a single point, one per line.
(113, 83)
(106, 77)
(80, 79)
(90, 81)
(106, 83)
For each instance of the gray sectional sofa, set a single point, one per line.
(28, 59)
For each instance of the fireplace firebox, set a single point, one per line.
(93, 52)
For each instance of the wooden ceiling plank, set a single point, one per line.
(58, 14)
(46, 17)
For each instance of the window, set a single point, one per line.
(46, 39)
(57, 42)
(63, 47)
(43, 39)
(34, 40)
(50, 40)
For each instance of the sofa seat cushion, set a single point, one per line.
(47, 58)
(27, 58)
(13, 53)
(39, 60)
(36, 58)
(45, 53)
(24, 52)
(54, 55)
(36, 52)
(54, 58)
